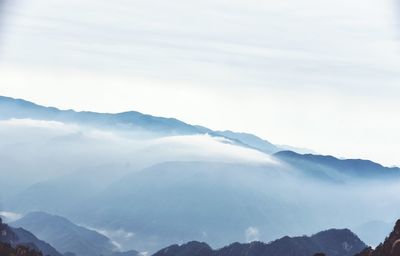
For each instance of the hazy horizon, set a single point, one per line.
(311, 74)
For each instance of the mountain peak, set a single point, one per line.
(334, 242)
(16, 237)
(390, 247)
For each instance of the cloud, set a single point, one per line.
(34, 123)
(252, 234)
(212, 148)
(35, 151)
(254, 66)
(119, 237)
(10, 216)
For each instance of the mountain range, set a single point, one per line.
(153, 181)
(132, 121)
(19, 236)
(328, 166)
(66, 236)
(331, 242)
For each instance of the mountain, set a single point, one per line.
(132, 121)
(193, 248)
(390, 247)
(373, 232)
(165, 189)
(212, 201)
(323, 166)
(59, 197)
(332, 242)
(20, 236)
(219, 202)
(19, 250)
(66, 236)
(18, 108)
(250, 140)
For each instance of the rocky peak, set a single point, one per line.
(390, 247)
(6, 234)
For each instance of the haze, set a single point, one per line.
(312, 73)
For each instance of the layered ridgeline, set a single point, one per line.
(66, 236)
(332, 242)
(13, 240)
(152, 187)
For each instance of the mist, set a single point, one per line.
(34, 151)
(122, 182)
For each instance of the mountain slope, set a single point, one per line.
(65, 235)
(20, 250)
(19, 236)
(331, 242)
(18, 108)
(390, 247)
(132, 121)
(319, 165)
(219, 202)
(251, 140)
(206, 198)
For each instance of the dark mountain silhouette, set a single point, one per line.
(373, 232)
(20, 237)
(65, 236)
(20, 250)
(390, 247)
(332, 242)
(324, 166)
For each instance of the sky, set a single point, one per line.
(317, 74)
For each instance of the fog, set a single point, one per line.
(35, 150)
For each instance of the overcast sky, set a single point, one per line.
(312, 73)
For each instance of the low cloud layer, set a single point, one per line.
(36, 150)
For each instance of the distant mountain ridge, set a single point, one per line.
(215, 202)
(18, 108)
(332, 242)
(132, 120)
(351, 167)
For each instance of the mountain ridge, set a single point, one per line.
(66, 236)
(352, 166)
(19, 236)
(390, 247)
(20, 108)
(333, 242)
